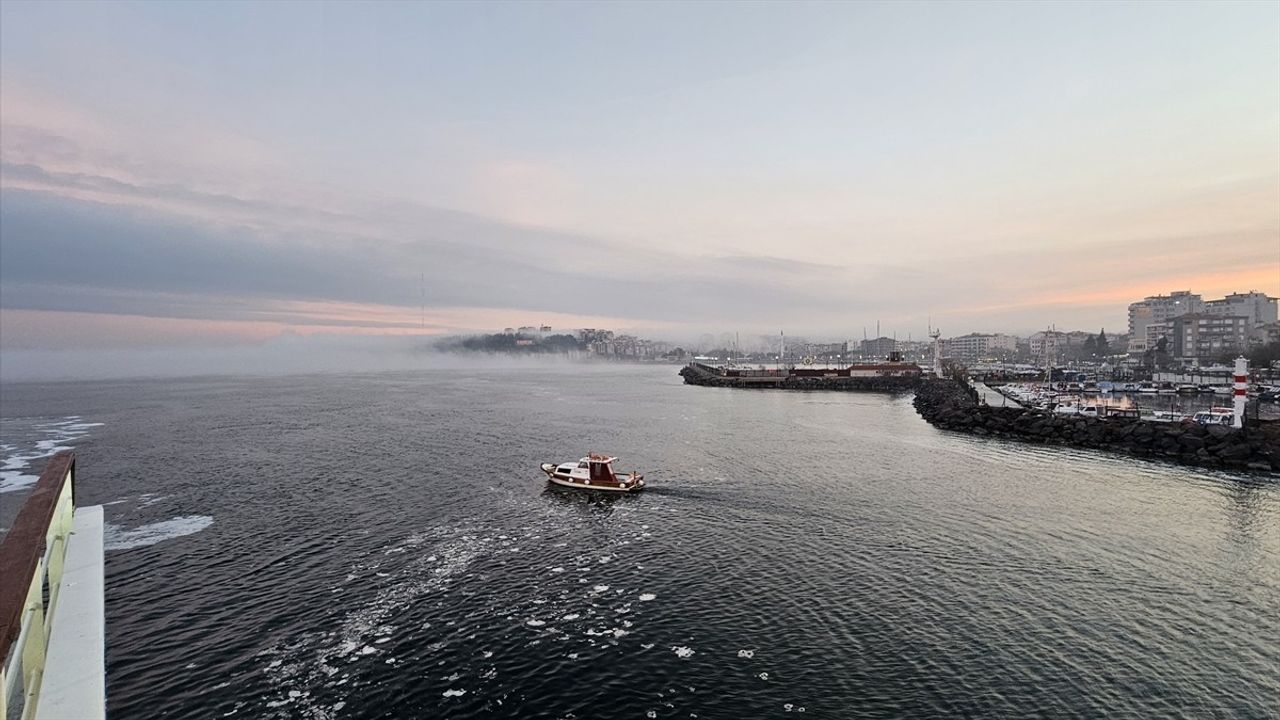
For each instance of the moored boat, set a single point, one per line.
(1215, 416)
(593, 472)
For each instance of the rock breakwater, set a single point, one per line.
(949, 405)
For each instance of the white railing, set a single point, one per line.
(33, 559)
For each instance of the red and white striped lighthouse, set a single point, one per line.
(1239, 388)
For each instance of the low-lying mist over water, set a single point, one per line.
(290, 354)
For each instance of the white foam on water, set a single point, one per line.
(571, 616)
(11, 480)
(682, 652)
(65, 431)
(454, 693)
(600, 588)
(116, 537)
(17, 462)
(534, 622)
(150, 499)
(646, 597)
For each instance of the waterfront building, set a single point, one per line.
(886, 370)
(879, 347)
(915, 350)
(1051, 340)
(975, 346)
(1257, 307)
(1265, 334)
(1154, 332)
(1158, 309)
(1200, 337)
(628, 347)
(820, 350)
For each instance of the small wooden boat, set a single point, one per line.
(593, 472)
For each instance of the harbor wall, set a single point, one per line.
(949, 405)
(699, 375)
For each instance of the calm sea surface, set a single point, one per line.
(384, 546)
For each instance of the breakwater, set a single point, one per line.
(950, 405)
(700, 375)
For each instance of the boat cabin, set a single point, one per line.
(597, 468)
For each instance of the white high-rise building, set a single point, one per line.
(1158, 309)
(976, 346)
(1051, 341)
(1257, 307)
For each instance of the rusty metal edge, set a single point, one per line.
(24, 546)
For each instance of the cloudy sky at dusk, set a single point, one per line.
(181, 173)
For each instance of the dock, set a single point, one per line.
(883, 377)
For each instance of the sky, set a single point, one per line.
(187, 175)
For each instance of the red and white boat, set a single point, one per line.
(593, 472)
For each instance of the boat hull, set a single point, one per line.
(588, 485)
